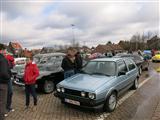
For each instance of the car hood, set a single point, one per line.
(85, 82)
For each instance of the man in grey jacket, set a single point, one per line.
(4, 77)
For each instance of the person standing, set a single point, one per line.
(9, 108)
(4, 78)
(79, 62)
(30, 75)
(69, 64)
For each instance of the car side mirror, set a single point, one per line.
(121, 73)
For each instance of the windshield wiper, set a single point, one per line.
(97, 73)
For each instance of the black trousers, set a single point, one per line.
(3, 100)
(9, 95)
(30, 90)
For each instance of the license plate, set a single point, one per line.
(72, 102)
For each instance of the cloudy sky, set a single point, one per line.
(37, 23)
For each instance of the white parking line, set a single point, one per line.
(121, 100)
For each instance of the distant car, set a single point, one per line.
(99, 84)
(156, 58)
(50, 72)
(142, 63)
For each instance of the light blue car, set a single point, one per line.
(99, 84)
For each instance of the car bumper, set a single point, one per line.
(156, 60)
(84, 102)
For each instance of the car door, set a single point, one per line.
(132, 70)
(122, 77)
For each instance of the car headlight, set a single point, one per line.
(83, 94)
(91, 95)
(63, 90)
(58, 89)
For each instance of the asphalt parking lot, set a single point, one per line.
(134, 105)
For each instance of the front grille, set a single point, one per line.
(73, 92)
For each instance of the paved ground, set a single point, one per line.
(143, 104)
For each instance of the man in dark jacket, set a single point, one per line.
(69, 64)
(4, 77)
(10, 59)
(79, 62)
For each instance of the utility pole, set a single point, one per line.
(73, 39)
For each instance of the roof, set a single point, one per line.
(108, 59)
(16, 45)
(50, 54)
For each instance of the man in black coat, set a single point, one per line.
(4, 77)
(79, 62)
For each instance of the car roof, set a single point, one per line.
(108, 59)
(50, 54)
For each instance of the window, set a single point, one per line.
(122, 67)
(130, 64)
(100, 67)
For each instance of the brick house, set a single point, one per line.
(15, 48)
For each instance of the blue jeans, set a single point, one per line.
(30, 89)
(9, 95)
(68, 73)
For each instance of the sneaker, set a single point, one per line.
(6, 114)
(11, 110)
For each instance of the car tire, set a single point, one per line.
(140, 70)
(111, 102)
(135, 84)
(48, 86)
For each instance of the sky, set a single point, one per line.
(38, 23)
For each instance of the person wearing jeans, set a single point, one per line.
(9, 96)
(30, 89)
(31, 73)
(4, 77)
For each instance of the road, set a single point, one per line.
(142, 104)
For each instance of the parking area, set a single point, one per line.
(134, 105)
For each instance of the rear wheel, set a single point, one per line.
(48, 86)
(135, 84)
(111, 102)
(140, 70)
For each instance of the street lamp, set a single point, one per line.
(73, 40)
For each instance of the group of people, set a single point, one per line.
(72, 63)
(31, 73)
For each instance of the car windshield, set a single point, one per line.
(107, 68)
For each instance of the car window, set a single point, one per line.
(100, 67)
(130, 64)
(122, 66)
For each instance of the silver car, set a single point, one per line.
(99, 84)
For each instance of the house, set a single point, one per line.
(15, 48)
(154, 43)
(102, 49)
(107, 48)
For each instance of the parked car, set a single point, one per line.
(50, 72)
(143, 64)
(156, 58)
(99, 84)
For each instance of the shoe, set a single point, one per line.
(6, 114)
(11, 110)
